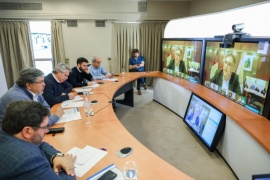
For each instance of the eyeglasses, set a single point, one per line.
(40, 82)
(44, 127)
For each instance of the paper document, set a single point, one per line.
(110, 79)
(78, 90)
(111, 167)
(72, 102)
(77, 98)
(86, 158)
(70, 115)
(95, 85)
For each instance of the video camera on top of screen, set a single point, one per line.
(238, 27)
(229, 39)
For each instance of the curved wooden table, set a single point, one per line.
(109, 133)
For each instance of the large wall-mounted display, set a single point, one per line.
(240, 73)
(182, 58)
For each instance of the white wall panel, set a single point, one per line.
(171, 95)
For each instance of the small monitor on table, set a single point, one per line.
(205, 120)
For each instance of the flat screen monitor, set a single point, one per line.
(240, 73)
(182, 58)
(206, 121)
(261, 177)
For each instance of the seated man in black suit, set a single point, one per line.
(226, 77)
(80, 73)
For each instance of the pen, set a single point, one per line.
(104, 149)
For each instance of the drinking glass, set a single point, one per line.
(86, 91)
(87, 111)
(93, 81)
(130, 171)
(123, 70)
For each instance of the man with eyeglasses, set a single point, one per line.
(80, 74)
(23, 155)
(97, 71)
(29, 86)
(226, 77)
(57, 88)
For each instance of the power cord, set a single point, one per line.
(111, 101)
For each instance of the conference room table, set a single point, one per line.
(106, 131)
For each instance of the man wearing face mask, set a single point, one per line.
(29, 86)
(80, 73)
(226, 77)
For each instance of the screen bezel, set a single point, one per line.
(266, 110)
(260, 176)
(220, 128)
(186, 39)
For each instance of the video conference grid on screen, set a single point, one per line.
(182, 58)
(204, 120)
(240, 73)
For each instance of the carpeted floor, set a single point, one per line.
(165, 134)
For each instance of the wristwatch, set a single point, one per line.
(56, 155)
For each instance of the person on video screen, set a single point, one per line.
(177, 65)
(194, 114)
(226, 77)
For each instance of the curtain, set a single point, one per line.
(57, 43)
(144, 36)
(15, 48)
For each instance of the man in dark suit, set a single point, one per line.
(177, 65)
(226, 77)
(23, 155)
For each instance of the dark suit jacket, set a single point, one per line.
(182, 67)
(24, 160)
(234, 84)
